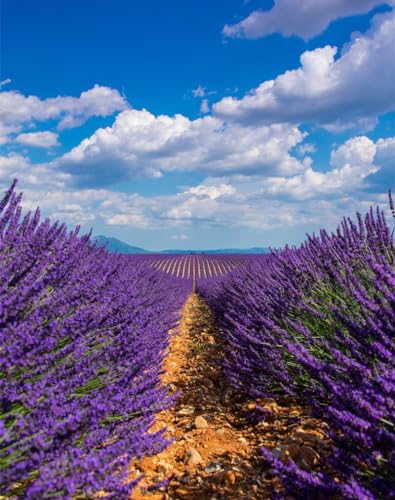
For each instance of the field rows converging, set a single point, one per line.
(193, 266)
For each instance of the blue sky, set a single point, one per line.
(198, 124)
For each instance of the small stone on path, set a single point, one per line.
(230, 477)
(188, 410)
(193, 457)
(201, 423)
(212, 467)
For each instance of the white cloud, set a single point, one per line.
(41, 188)
(304, 18)
(209, 204)
(130, 219)
(44, 187)
(6, 131)
(199, 207)
(181, 237)
(350, 91)
(359, 172)
(38, 139)
(16, 109)
(73, 216)
(305, 148)
(202, 92)
(4, 82)
(199, 91)
(313, 184)
(353, 166)
(204, 106)
(247, 207)
(211, 192)
(121, 209)
(140, 144)
(15, 165)
(310, 197)
(384, 178)
(356, 151)
(254, 181)
(11, 165)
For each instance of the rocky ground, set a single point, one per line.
(216, 449)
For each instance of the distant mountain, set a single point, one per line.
(115, 245)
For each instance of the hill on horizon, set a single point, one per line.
(116, 245)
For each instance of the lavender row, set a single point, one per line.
(82, 335)
(319, 322)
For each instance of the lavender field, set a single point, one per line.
(84, 333)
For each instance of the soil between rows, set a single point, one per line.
(216, 449)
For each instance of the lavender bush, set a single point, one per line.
(82, 335)
(319, 321)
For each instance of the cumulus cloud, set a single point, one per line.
(357, 166)
(384, 178)
(5, 82)
(6, 131)
(358, 151)
(313, 184)
(206, 205)
(133, 218)
(211, 205)
(357, 177)
(15, 165)
(11, 165)
(180, 237)
(66, 205)
(253, 180)
(350, 91)
(304, 18)
(38, 139)
(305, 148)
(140, 144)
(204, 106)
(51, 191)
(202, 202)
(248, 206)
(17, 109)
(311, 197)
(201, 91)
(211, 192)
(73, 214)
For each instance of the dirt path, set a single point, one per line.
(216, 449)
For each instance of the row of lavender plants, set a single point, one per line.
(82, 335)
(318, 322)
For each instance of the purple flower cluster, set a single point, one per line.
(319, 322)
(82, 335)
